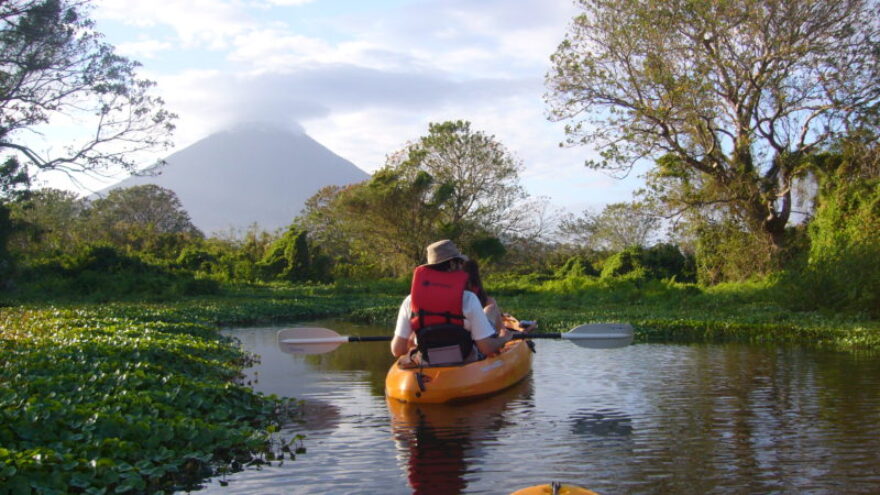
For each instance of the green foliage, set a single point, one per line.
(727, 252)
(6, 261)
(109, 401)
(617, 227)
(667, 261)
(145, 219)
(454, 183)
(576, 266)
(486, 249)
(51, 223)
(103, 273)
(289, 258)
(624, 262)
(56, 65)
(14, 179)
(197, 259)
(692, 83)
(843, 271)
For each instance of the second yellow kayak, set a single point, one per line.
(554, 489)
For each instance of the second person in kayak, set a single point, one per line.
(447, 320)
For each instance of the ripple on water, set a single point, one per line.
(648, 418)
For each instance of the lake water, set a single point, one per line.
(648, 418)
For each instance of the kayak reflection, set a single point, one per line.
(440, 444)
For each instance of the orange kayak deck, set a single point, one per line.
(560, 489)
(450, 383)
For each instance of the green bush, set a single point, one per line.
(197, 259)
(842, 272)
(624, 262)
(576, 266)
(727, 252)
(102, 273)
(666, 261)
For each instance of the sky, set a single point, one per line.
(364, 77)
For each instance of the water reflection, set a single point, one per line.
(440, 444)
(649, 418)
(602, 424)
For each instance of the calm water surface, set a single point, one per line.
(648, 418)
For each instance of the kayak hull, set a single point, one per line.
(439, 384)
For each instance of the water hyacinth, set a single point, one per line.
(91, 401)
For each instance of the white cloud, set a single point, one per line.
(145, 49)
(371, 79)
(288, 3)
(197, 23)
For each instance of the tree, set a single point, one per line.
(734, 95)
(482, 174)
(143, 218)
(453, 183)
(617, 227)
(389, 219)
(14, 182)
(50, 222)
(52, 65)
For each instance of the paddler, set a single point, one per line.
(446, 319)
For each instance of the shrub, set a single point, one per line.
(623, 262)
(576, 266)
(197, 259)
(101, 272)
(665, 261)
(843, 268)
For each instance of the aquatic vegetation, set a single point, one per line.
(96, 399)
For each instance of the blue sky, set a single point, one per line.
(365, 77)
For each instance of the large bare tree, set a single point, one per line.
(55, 67)
(731, 94)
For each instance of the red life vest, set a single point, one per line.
(437, 317)
(435, 297)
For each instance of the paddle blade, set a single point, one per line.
(601, 335)
(309, 340)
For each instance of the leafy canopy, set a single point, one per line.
(54, 66)
(735, 93)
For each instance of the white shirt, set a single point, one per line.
(475, 320)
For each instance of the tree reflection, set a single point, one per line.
(374, 358)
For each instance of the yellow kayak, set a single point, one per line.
(554, 489)
(438, 384)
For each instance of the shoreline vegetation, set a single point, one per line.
(145, 397)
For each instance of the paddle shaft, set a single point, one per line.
(387, 338)
(374, 338)
(307, 340)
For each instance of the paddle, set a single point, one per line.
(592, 335)
(312, 340)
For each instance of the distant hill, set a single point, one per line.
(257, 173)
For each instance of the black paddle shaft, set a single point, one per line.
(520, 335)
(516, 335)
(370, 338)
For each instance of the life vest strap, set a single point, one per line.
(446, 314)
